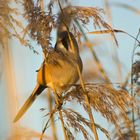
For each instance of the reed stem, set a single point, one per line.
(88, 106)
(52, 118)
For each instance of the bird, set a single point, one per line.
(58, 70)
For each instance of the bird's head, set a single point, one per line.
(67, 42)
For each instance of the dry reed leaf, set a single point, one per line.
(115, 31)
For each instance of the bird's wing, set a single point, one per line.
(37, 90)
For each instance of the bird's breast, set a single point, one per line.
(58, 76)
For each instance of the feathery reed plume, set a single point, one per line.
(40, 23)
(8, 20)
(111, 103)
(74, 120)
(84, 14)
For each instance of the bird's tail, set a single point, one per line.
(38, 89)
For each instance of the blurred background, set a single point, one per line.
(19, 65)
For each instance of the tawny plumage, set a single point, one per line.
(58, 71)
